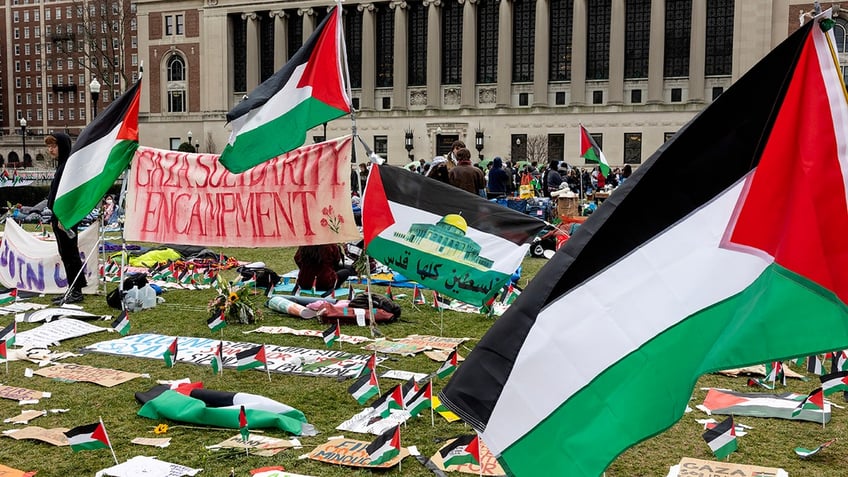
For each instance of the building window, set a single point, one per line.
(179, 23)
(176, 102)
(176, 68)
(632, 148)
(169, 25)
(635, 96)
(387, 102)
(353, 42)
(385, 26)
(719, 47)
(678, 22)
(562, 16)
(637, 34)
(676, 95)
(381, 146)
(523, 99)
(295, 30)
(487, 41)
(417, 44)
(597, 97)
(176, 86)
(451, 43)
(598, 41)
(559, 98)
(556, 147)
(524, 40)
(717, 90)
(266, 47)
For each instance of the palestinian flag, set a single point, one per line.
(444, 238)
(371, 364)
(439, 302)
(724, 402)
(422, 400)
(753, 382)
(218, 359)
(391, 400)
(463, 450)
(212, 408)
(815, 401)
(417, 296)
(719, 278)
(251, 358)
(385, 447)
(722, 438)
(775, 373)
(216, 322)
(364, 388)
(243, 426)
(7, 339)
(100, 155)
(331, 334)
(814, 365)
(804, 453)
(389, 293)
(88, 437)
(309, 90)
(122, 323)
(409, 388)
(834, 382)
(170, 354)
(448, 366)
(590, 151)
(839, 361)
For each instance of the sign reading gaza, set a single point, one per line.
(302, 197)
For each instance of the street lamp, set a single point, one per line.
(23, 134)
(94, 87)
(189, 139)
(408, 142)
(478, 142)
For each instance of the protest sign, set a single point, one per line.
(707, 468)
(299, 198)
(435, 342)
(368, 421)
(278, 330)
(10, 472)
(141, 465)
(441, 355)
(77, 372)
(352, 453)
(200, 351)
(160, 442)
(30, 264)
(55, 436)
(50, 314)
(55, 331)
(403, 375)
(488, 461)
(259, 444)
(394, 347)
(24, 417)
(20, 394)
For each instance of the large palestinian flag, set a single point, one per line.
(207, 407)
(456, 243)
(781, 406)
(309, 90)
(101, 154)
(721, 276)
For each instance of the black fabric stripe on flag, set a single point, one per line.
(115, 114)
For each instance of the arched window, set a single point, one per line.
(176, 84)
(840, 33)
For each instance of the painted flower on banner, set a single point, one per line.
(331, 219)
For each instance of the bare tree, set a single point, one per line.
(97, 37)
(211, 147)
(537, 148)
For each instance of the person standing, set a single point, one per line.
(439, 169)
(465, 176)
(59, 148)
(363, 176)
(499, 181)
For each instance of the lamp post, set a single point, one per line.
(94, 87)
(189, 139)
(408, 138)
(23, 135)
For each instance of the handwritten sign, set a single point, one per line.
(351, 453)
(259, 444)
(200, 351)
(280, 330)
(19, 394)
(436, 342)
(54, 332)
(369, 421)
(488, 462)
(30, 264)
(55, 436)
(78, 372)
(394, 347)
(6, 471)
(141, 465)
(707, 468)
(302, 197)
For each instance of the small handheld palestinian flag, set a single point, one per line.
(839, 361)
(331, 334)
(813, 401)
(753, 382)
(775, 373)
(371, 364)
(389, 292)
(217, 321)
(804, 453)
(7, 339)
(722, 438)
(834, 382)
(364, 388)
(391, 400)
(88, 437)
(244, 429)
(385, 447)
(463, 450)
(14, 294)
(488, 307)
(122, 323)
(170, 354)
(590, 151)
(251, 358)
(417, 296)
(218, 359)
(422, 400)
(448, 366)
(409, 388)
(814, 365)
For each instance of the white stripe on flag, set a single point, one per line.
(86, 170)
(281, 103)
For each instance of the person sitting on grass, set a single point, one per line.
(321, 266)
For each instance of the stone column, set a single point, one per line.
(399, 74)
(578, 53)
(616, 53)
(697, 51)
(281, 38)
(469, 53)
(434, 54)
(308, 15)
(504, 88)
(252, 54)
(369, 72)
(542, 56)
(656, 52)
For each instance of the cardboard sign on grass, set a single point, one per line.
(435, 342)
(21, 394)
(352, 453)
(53, 332)
(259, 444)
(141, 465)
(280, 330)
(394, 347)
(690, 466)
(55, 436)
(78, 372)
(10, 472)
(488, 461)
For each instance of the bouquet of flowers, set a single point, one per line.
(235, 302)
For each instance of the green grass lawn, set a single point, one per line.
(326, 402)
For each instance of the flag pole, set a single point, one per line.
(400, 462)
(338, 327)
(267, 370)
(432, 413)
(108, 440)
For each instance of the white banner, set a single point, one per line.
(30, 264)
